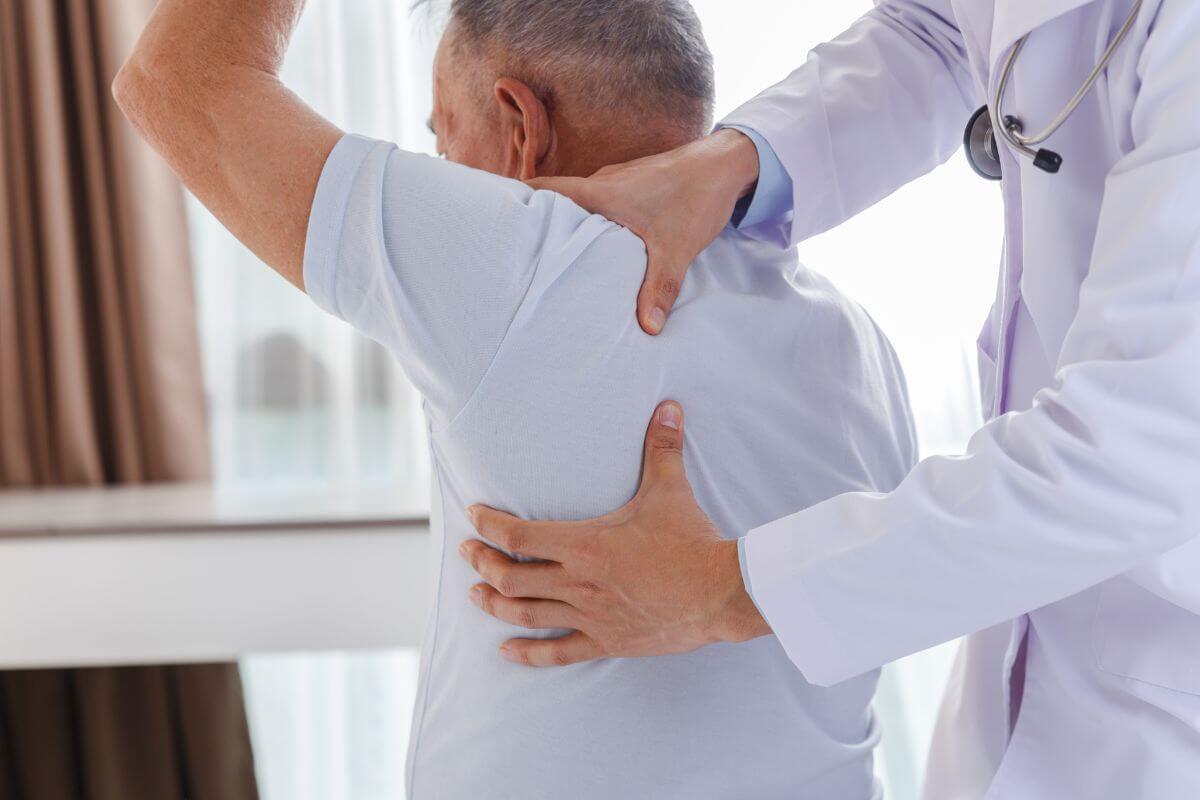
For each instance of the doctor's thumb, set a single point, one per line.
(664, 276)
(664, 445)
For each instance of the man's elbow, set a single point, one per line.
(148, 91)
(126, 88)
(134, 90)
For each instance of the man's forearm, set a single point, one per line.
(202, 86)
(195, 38)
(194, 51)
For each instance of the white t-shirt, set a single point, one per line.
(512, 311)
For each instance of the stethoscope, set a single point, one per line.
(983, 150)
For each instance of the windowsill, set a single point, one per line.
(179, 508)
(185, 574)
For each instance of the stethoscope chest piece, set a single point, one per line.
(979, 141)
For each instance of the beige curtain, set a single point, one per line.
(100, 384)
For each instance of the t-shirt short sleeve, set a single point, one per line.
(430, 258)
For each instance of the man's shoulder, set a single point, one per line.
(522, 227)
(758, 267)
(808, 316)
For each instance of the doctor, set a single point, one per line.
(1064, 542)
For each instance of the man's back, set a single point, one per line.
(547, 425)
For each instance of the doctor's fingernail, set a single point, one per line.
(463, 549)
(656, 319)
(508, 654)
(476, 595)
(671, 416)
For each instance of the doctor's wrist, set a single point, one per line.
(733, 160)
(736, 618)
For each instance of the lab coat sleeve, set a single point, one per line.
(879, 106)
(1096, 479)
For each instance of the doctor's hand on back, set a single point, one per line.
(677, 202)
(604, 578)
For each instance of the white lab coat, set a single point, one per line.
(1065, 539)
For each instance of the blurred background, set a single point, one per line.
(295, 399)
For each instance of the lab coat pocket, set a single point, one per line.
(1151, 643)
(987, 371)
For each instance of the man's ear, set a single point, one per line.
(525, 124)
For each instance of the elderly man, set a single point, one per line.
(499, 303)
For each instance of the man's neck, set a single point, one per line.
(583, 152)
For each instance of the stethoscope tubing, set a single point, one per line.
(1010, 129)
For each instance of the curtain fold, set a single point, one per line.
(100, 384)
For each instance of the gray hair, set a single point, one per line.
(649, 54)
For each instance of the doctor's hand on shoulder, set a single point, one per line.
(653, 578)
(677, 202)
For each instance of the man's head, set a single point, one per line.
(529, 88)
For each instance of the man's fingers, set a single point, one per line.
(659, 291)
(513, 578)
(572, 649)
(545, 540)
(664, 446)
(524, 613)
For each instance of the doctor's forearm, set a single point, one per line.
(1095, 480)
(871, 110)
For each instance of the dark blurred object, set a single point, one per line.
(100, 383)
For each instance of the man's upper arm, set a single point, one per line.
(244, 144)
(434, 260)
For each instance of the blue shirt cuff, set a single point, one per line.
(772, 198)
(744, 563)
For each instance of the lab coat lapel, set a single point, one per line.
(1015, 18)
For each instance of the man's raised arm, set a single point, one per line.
(202, 86)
